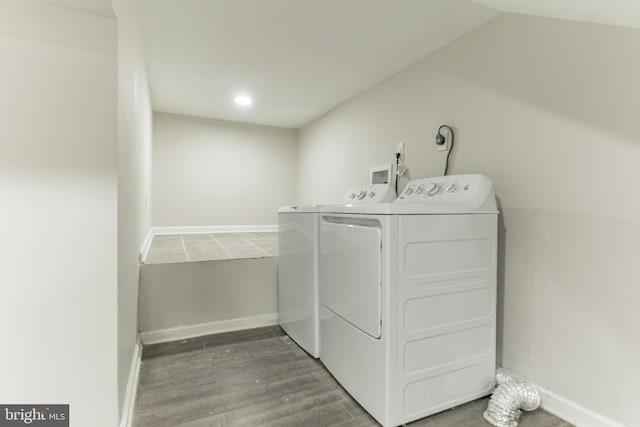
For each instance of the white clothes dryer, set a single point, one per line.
(408, 297)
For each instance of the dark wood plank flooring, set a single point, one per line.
(260, 377)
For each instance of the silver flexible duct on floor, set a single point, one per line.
(508, 399)
(503, 376)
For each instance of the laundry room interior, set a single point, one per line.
(461, 175)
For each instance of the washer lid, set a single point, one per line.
(454, 194)
(300, 209)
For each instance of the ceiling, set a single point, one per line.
(97, 7)
(623, 13)
(298, 59)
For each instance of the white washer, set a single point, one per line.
(298, 300)
(408, 297)
(298, 275)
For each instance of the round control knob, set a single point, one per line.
(419, 190)
(409, 190)
(361, 194)
(372, 193)
(352, 195)
(452, 187)
(433, 189)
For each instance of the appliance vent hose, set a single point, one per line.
(509, 399)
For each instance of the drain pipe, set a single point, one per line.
(508, 399)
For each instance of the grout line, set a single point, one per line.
(259, 248)
(184, 247)
(221, 246)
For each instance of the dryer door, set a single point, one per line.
(350, 256)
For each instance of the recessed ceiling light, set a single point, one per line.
(243, 100)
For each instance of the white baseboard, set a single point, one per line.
(215, 229)
(568, 410)
(126, 420)
(146, 244)
(191, 331)
(572, 412)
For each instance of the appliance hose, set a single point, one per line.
(509, 399)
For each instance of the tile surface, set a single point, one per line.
(175, 248)
(231, 239)
(245, 252)
(203, 250)
(172, 242)
(260, 377)
(160, 255)
(197, 237)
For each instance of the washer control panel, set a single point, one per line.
(446, 189)
(374, 193)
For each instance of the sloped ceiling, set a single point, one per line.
(97, 7)
(624, 13)
(296, 58)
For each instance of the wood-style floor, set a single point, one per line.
(260, 377)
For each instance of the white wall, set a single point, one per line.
(58, 165)
(211, 172)
(218, 292)
(549, 110)
(134, 179)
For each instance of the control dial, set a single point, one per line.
(409, 190)
(352, 195)
(452, 187)
(419, 190)
(433, 189)
(361, 194)
(372, 193)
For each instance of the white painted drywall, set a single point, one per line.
(58, 218)
(213, 291)
(211, 172)
(134, 179)
(549, 110)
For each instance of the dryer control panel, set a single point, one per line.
(374, 193)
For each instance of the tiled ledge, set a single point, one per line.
(177, 248)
